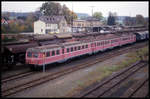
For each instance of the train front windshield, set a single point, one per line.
(31, 54)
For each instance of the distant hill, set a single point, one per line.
(16, 14)
(21, 14)
(82, 15)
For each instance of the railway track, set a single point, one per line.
(27, 73)
(55, 75)
(16, 76)
(102, 89)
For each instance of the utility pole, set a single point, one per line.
(92, 9)
(92, 17)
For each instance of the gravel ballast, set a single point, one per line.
(66, 85)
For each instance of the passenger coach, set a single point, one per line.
(47, 54)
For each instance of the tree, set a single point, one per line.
(51, 8)
(111, 19)
(98, 15)
(140, 20)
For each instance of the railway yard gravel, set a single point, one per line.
(66, 85)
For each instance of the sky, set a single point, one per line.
(121, 8)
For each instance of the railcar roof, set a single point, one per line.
(64, 35)
(143, 32)
(20, 48)
(43, 48)
(71, 43)
(44, 37)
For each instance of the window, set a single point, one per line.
(102, 43)
(57, 52)
(75, 48)
(47, 54)
(78, 47)
(67, 49)
(97, 43)
(86, 46)
(29, 54)
(35, 55)
(62, 51)
(53, 53)
(41, 30)
(71, 49)
(82, 46)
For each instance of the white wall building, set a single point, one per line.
(50, 24)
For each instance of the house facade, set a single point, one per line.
(50, 25)
(86, 25)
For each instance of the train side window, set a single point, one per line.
(82, 46)
(78, 47)
(62, 51)
(67, 49)
(75, 48)
(71, 49)
(29, 54)
(86, 46)
(57, 52)
(47, 54)
(53, 53)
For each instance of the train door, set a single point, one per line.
(93, 46)
(63, 53)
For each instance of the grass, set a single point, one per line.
(104, 71)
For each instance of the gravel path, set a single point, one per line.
(66, 85)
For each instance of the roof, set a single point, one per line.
(49, 42)
(92, 19)
(64, 35)
(44, 37)
(20, 48)
(43, 48)
(71, 43)
(79, 34)
(78, 20)
(143, 32)
(52, 19)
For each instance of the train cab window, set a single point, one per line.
(29, 54)
(57, 52)
(47, 54)
(78, 47)
(53, 53)
(67, 49)
(86, 46)
(71, 49)
(35, 55)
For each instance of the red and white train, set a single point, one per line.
(39, 56)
